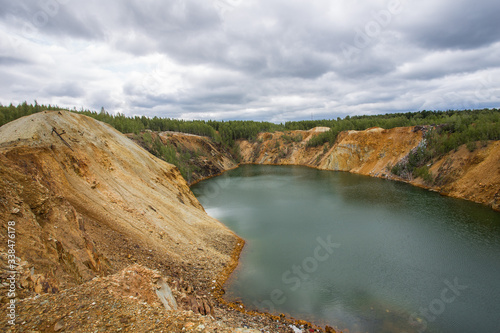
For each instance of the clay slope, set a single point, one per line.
(365, 152)
(371, 152)
(85, 198)
(208, 158)
(283, 148)
(88, 203)
(462, 174)
(474, 176)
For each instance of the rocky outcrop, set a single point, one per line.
(474, 176)
(282, 148)
(205, 158)
(461, 174)
(87, 204)
(85, 200)
(135, 299)
(209, 158)
(371, 152)
(368, 152)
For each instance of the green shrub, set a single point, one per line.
(322, 138)
(148, 139)
(472, 146)
(424, 173)
(289, 139)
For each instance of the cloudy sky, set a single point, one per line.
(273, 60)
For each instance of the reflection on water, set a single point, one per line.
(359, 253)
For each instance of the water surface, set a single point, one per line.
(359, 253)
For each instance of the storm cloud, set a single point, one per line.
(268, 60)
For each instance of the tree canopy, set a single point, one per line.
(452, 128)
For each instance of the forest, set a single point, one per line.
(449, 129)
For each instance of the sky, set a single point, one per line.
(269, 60)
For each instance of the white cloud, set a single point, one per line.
(250, 59)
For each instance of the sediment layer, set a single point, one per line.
(108, 236)
(462, 174)
(113, 236)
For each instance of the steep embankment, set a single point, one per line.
(87, 203)
(200, 155)
(462, 174)
(368, 152)
(97, 187)
(474, 176)
(282, 148)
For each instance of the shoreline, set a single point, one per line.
(396, 179)
(235, 256)
(224, 276)
(219, 291)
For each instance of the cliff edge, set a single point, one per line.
(73, 183)
(105, 236)
(463, 174)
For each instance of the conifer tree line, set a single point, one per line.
(452, 128)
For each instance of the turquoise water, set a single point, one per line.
(359, 253)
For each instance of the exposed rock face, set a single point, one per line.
(370, 152)
(108, 236)
(84, 199)
(365, 152)
(473, 176)
(469, 175)
(210, 158)
(463, 174)
(282, 148)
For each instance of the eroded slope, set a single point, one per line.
(87, 203)
(462, 174)
(200, 156)
(87, 197)
(365, 152)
